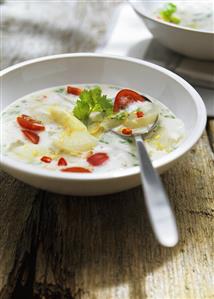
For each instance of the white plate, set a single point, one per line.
(190, 42)
(173, 91)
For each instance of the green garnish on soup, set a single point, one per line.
(168, 14)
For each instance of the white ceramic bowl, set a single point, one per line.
(189, 42)
(154, 80)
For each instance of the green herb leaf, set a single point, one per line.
(81, 110)
(92, 100)
(60, 90)
(175, 20)
(167, 14)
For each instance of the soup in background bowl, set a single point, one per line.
(198, 15)
(186, 27)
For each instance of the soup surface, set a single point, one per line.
(193, 14)
(69, 128)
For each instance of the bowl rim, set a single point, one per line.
(161, 162)
(178, 27)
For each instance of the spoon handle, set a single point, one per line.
(157, 202)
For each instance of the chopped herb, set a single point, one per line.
(119, 116)
(92, 100)
(133, 155)
(128, 140)
(167, 14)
(103, 141)
(114, 87)
(169, 116)
(14, 112)
(60, 90)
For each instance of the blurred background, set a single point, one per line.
(32, 29)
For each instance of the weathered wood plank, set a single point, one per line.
(16, 208)
(210, 131)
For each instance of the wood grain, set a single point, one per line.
(210, 132)
(54, 246)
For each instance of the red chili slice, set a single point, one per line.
(74, 90)
(76, 169)
(46, 159)
(97, 159)
(62, 162)
(127, 131)
(29, 123)
(126, 97)
(139, 114)
(33, 137)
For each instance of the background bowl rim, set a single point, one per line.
(178, 27)
(165, 160)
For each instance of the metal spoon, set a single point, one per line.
(160, 213)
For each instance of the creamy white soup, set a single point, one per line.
(69, 128)
(193, 14)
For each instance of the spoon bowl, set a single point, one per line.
(142, 131)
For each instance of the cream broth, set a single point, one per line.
(192, 14)
(121, 151)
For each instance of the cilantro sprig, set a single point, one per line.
(167, 14)
(92, 100)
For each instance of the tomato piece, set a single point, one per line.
(46, 159)
(29, 123)
(127, 131)
(33, 137)
(74, 90)
(76, 169)
(139, 114)
(62, 162)
(125, 97)
(97, 159)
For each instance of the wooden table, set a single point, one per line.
(54, 246)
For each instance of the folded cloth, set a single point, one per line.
(31, 29)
